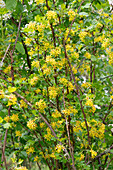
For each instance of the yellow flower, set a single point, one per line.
(37, 91)
(35, 64)
(89, 102)
(30, 150)
(7, 69)
(7, 118)
(59, 148)
(82, 35)
(14, 118)
(39, 2)
(53, 92)
(31, 124)
(32, 26)
(81, 157)
(41, 105)
(51, 15)
(93, 153)
(1, 94)
(42, 125)
(87, 55)
(63, 81)
(23, 104)
(9, 79)
(71, 14)
(111, 97)
(36, 158)
(86, 85)
(12, 99)
(18, 133)
(56, 114)
(56, 51)
(34, 80)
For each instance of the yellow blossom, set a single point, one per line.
(7, 69)
(37, 91)
(41, 105)
(51, 15)
(39, 2)
(12, 99)
(82, 35)
(18, 133)
(2, 94)
(32, 26)
(9, 79)
(93, 153)
(33, 80)
(71, 14)
(7, 118)
(42, 125)
(55, 52)
(14, 118)
(35, 64)
(81, 157)
(89, 102)
(86, 85)
(31, 124)
(56, 114)
(87, 55)
(59, 148)
(36, 158)
(53, 92)
(30, 150)
(23, 104)
(63, 81)
(28, 41)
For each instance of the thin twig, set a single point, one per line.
(5, 55)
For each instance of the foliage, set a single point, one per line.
(56, 84)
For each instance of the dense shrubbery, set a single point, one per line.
(56, 84)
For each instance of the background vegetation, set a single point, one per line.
(56, 84)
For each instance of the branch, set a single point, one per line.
(74, 21)
(100, 155)
(5, 55)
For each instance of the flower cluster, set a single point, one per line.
(71, 14)
(41, 105)
(48, 136)
(31, 124)
(30, 150)
(7, 118)
(33, 80)
(93, 153)
(55, 52)
(56, 114)
(12, 99)
(51, 15)
(53, 92)
(18, 133)
(59, 148)
(39, 2)
(14, 117)
(35, 64)
(87, 55)
(23, 104)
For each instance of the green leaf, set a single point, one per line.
(7, 125)
(20, 48)
(11, 4)
(1, 107)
